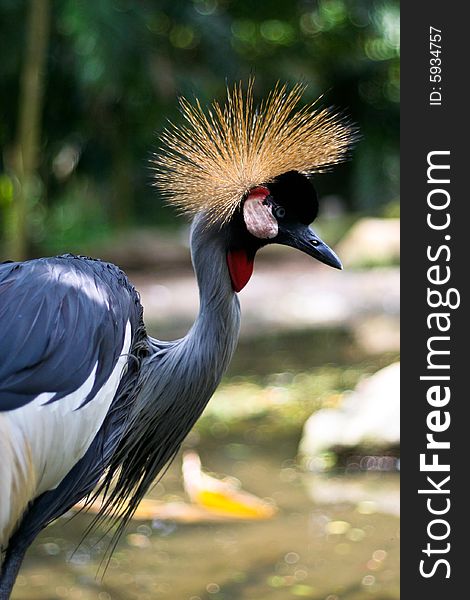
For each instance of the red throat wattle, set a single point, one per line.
(240, 268)
(239, 264)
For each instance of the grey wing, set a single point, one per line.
(59, 318)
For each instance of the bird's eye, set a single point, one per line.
(279, 212)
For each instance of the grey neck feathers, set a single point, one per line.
(187, 371)
(175, 382)
(215, 331)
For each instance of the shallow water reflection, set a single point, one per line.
(337, 550)
(330, 552)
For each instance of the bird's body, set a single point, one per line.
(88, 401)
(90, 390)
(57, 400)
(47, 378)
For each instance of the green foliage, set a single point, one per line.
(116, 67)
(283, 403)
(279, 405)
(77, 220)
(391, 210)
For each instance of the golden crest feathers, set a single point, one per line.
(211, 161)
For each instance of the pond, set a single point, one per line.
(336, 551)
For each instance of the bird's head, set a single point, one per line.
(279, 212)
(246, 168)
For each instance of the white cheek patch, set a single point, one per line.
(259, 219)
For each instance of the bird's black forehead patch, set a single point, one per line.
(297, 195)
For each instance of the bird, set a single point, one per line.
(221, 497)
(211, 499)
(89, 402)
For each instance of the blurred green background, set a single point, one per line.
(86, 87)
(111, 74)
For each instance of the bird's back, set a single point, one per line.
(68, 327)
(59, 317)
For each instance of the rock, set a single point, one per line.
(369, 417)
(371, 242)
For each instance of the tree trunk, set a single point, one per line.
(26, 147)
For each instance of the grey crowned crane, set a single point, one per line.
(89, 401)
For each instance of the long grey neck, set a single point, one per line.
(188, 370)
(214, 335)
(177, 379)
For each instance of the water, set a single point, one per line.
(336, 551)
(310, 551)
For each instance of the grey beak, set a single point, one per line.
(306, 240)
